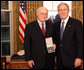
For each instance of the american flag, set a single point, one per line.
(22, 19)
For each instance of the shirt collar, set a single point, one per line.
(40, 22)
(66, 20)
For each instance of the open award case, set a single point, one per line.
(49, 45)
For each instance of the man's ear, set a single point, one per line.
(69, 10)
(37, 14)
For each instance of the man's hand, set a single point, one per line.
(77, 62)
(30, 63)
(54, 46)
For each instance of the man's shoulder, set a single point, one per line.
(49, 22)
(57, 23)
(31, 23)
(75, 20)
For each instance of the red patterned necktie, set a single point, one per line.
(43, 30)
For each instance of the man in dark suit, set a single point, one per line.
(68, 36)
(36, 53)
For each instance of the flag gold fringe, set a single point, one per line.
(21, 39)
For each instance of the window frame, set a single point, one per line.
(10, 26)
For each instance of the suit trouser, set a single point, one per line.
(60, 65)
(49, 62)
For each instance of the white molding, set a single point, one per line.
(10, 10)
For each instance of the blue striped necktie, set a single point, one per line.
(62, 30)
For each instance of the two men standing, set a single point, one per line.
(67, 34)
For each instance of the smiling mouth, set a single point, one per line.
(63, 14)
(42, 19)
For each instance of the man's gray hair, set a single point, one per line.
(63, 4)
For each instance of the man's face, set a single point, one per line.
(63, 11)
(42, 15)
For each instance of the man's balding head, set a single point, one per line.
(42, 8)
(42, 13)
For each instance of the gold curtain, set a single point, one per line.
(31, 16)
(77, 10)
(15, 26)
(31, 9)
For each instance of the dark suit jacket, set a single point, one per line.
(34, 44)
(71, 45)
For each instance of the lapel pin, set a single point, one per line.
(69, 26)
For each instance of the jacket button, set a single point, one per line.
(44, 51)
(60, 44)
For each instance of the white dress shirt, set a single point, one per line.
(40, 24)
(66, 20)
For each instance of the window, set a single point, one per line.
(6, 15)
(52, 7)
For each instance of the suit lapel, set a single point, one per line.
(46, 32)
(37, 27)
(68, 25)
(59, 24)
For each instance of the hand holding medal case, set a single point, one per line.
(49, 45)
